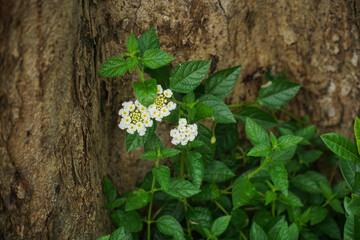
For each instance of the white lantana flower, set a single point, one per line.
(159, 89)
(184, 133)
(168, 93)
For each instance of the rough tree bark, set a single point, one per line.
(58, 119)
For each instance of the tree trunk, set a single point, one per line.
(58, 121)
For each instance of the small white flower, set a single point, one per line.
(154, 113)
(182, 121)
(139, 125)
(174, 133)
(164, 111)
(175, 141)
(137, 103)
(126, 104)
(142, 131)
(191, 137)
(145, 115)
(152, 107)
(127, 120)
(124, 112)
(131, 128)
(148, 122)
(182, 128)
(142, 108)
(130, 107)
(184, 141)
(159, 89)
(168, 93)
(171, 106)
(158, 117)
(122, 124)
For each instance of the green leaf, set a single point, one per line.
(209, 192)
(269, 197)
(288, 141)
(180, 188)
(195, 167)
(260, 150)
(115, 204)
(291, 200)
(348, 170)
(283, 233)
(131, 221)
(277, 94)
(255, 132)
(326, 190)
(279, 176)
(351, 228)
(227, 137)
(293, 232)
(109, 190)
(162, 75)
(148, 40)
(257, 233)
(156, 58)
(317, 214)
(354, 206)
(357, 133)
(203, 111)
(217, 172)
(222, 112)
(199, 217)
(341, 146)
(131, 62)
(168, 225)
(330, 228)
(220, 225)
(120, 234)
(137, 199)
(162, 175)
(149, 155)
(261, 117)
(335, 204)
(131, 44)
(305, 183)
(207, 150)
(221, 83)
(242, 192)
(275, 226)
(114, 67)
(154, 143)
(169, 152)
(107, 237)
(145, 91)
(187, 76)
(134, 141)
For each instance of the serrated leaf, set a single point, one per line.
(134, 141)
(203, 111)
(242, 192)
(255, 132)
(199, 217)
(120, 234)
(217, 172)
(351, 228)
(317, 214)
(162, 175)
(145, 92)
(261, 117)
(109, 190)
(222, 113)
(279, 176)
(275, 226)
(336, 205)
(220, 225)
(180, 188)
(168, 225)
(270, 196)
(148, 40)
(209, 192)
(115, 204)
(348, 170)
(114, 67)
(149, 155)
(341, 146)
(288, 141)
(131, 44)
(306, 184)
(169, 152)
(187, 76)
(330, 228)
(221, 83)
(156, 58)
(137, 199)
(260, 150)
(291, 199)
(227, 137)
(283, 233)
(357, 133)
(195, 167)
(293, 232)
(162, 75)
(354, 206)
(326, 190)
(207, 150)
(257, 233)
(277, 94)
(131, 221)
(107, 237)
(131, 62)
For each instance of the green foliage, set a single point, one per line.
(221, 185)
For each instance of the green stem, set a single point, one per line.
(273, 208)
(151, 202)
(259, 168)
(221, 208)
(140, 73)
(182, 165)
(187, 222)
(298, 120)
(243, 236)
(244, 104)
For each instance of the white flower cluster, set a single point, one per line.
(184, 133)
(136, 117)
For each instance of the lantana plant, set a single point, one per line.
(219, 185)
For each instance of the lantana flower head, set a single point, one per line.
(183, 133)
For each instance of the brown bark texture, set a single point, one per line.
(58, 119)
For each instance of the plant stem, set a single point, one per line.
(273, 208)
(221, 208)
(244, 104)
(141, 74)
(151, 202)
(298, 120)
(243, 236)
(187, 222)
(182, 163)
(259, 168)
